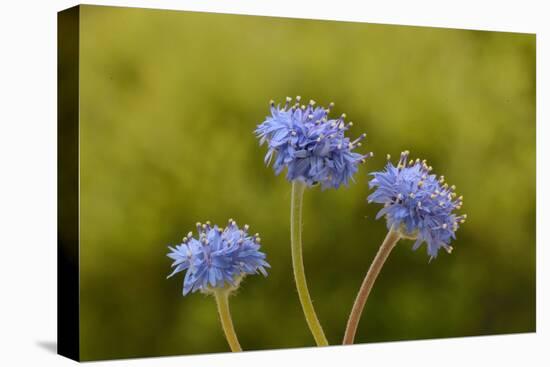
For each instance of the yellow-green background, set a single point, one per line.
(168, 104)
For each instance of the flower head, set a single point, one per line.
(313, 147)
(217, 258)
(417, 204)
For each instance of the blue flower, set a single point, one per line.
(417, 204)
(313, 147)
(217, 258)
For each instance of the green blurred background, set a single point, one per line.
(169, 101)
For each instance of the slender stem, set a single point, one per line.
(222, 301)
(298, 189)
(383, 252)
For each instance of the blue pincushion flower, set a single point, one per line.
(312, 146)
(417, 204)
(218, 258)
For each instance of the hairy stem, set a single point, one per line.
(222, 302)
(387, 246)
(298, 189)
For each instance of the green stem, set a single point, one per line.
(222, 301)
(298, 189)
(387, 246)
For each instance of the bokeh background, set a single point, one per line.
(168, 103)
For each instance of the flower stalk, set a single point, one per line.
(381, 256)
(298, 189)
(222, 301)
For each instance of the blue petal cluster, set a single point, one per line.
(313, 147)
(417, 204)
(217, 258)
